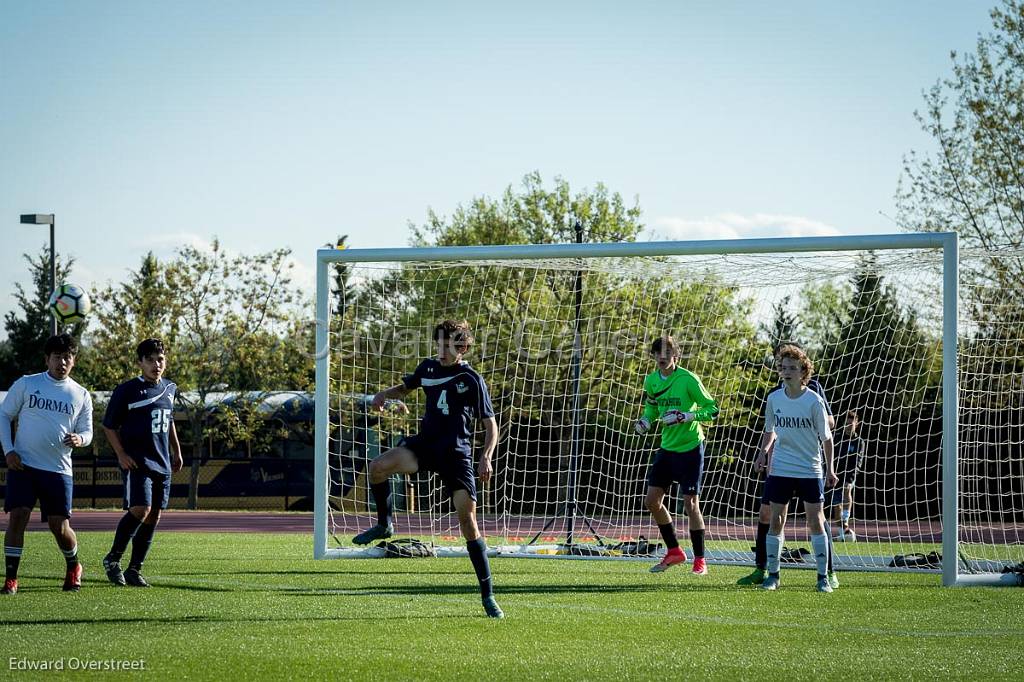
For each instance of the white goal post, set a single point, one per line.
(574, 477)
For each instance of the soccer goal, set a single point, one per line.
(562, 337)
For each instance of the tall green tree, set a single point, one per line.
(784, 325)
(237, 330)
(876, 357)
(524, 315)
(29, 327)
(973, 183)
(123, 315)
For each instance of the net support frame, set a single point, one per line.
(947, 241)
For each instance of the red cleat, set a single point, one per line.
(10, 586)
(674, 556)
(73, 579)
(700, 567)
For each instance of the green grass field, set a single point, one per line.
(232, 606)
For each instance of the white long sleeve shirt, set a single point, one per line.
(46, 411)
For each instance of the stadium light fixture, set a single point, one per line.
(46, 219)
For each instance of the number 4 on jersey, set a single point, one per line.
(442, 401)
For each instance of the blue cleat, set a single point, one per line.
(771, 583)
(492, 608)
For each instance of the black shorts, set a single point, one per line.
(782, 489)
(685, 468)
(453, 467)
(146, 488)
(53, 491)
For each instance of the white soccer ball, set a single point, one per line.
(69, 303)
(850, 536)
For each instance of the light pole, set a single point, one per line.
(46, 219)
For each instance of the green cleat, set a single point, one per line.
(755, 578)
(492, 608)
(833, 580)
(378, 532)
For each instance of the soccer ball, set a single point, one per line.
(69, 303)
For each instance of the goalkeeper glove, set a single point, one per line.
(642, 426)
(673, 417)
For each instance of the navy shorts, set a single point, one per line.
(781, 489)
(454, 467)
(835, 495)
(145, 488)
(685, 468)
(51, 489)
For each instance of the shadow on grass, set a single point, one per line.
(315, 573)
(188, 620)
(503, 589)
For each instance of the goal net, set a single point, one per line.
(562, 340)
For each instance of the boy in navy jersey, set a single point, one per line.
(139, 424)
(455, 396)
(54, 415)
(849, 459)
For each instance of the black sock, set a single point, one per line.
(761, 545)
(668, 534)
(140, 545)
(126, 529)
(70, 556)
(697, 538)
(382, 498)
(12, 557)
(478, 555)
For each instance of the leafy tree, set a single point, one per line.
(785, 324)
(342, 288)
(524, 316)
(124, 314)
(27, 332)
(973, 184)
(236, 331)
(858, 355)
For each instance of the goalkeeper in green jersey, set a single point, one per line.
(677, 398)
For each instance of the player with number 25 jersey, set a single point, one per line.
(141, 413)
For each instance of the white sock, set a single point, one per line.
(819, 543)
(774, 545)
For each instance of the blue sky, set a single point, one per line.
(145, 126)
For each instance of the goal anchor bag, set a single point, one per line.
(405, 548)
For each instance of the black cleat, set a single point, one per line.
(133, 578)
(114, 573)
(378, 532)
